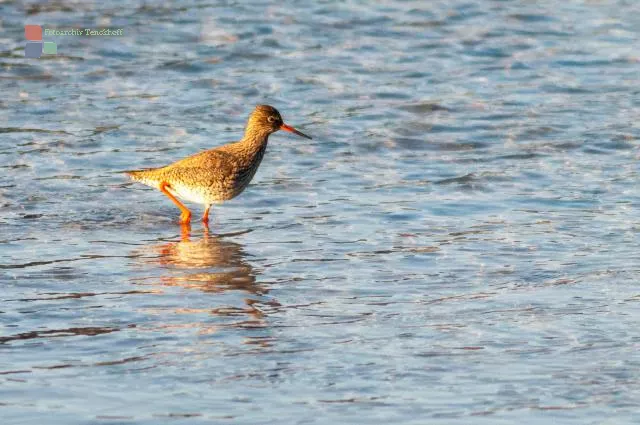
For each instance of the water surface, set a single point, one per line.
(458, 243)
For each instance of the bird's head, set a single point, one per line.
(266, 119)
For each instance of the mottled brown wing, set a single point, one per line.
(204, 169)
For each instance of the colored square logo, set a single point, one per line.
(50, 48)
(33, 49)
(33, 32)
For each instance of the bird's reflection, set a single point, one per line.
(231, 270)
(212, 264)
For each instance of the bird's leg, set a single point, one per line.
(205, 217)
(185, 232)
(185, 216)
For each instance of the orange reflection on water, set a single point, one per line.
(211, 264)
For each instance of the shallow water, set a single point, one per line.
(457, 244)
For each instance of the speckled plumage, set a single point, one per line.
(217, 174)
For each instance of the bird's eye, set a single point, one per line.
(271, 118)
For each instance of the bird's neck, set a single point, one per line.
(253, 144)
(255, 133)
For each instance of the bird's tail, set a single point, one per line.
(142, 176)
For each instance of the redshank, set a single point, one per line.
(217, 174)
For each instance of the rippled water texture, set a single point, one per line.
(458, 243)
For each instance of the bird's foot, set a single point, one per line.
(185, 217)
(185, 231)
(205, 216)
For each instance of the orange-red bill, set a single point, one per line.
(293, 130)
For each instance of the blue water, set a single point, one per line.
(458, 244)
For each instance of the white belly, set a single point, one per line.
(190, 194)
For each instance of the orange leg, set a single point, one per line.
(205, 217)
(185, 232)
(185, 217)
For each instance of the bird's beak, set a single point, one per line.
(293, 130)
